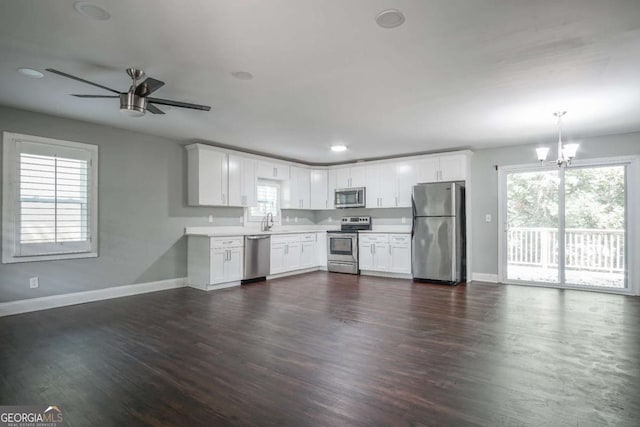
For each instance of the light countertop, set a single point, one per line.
(390, 229)
(245, 231)
(242, 231)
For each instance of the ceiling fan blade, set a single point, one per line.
(95, 96)
(69, 76)
(154, 109)
(179, 104)
(148, 86)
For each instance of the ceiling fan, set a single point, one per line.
(136, 101)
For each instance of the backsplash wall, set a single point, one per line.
(388, 216)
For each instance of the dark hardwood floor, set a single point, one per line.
(332, 350)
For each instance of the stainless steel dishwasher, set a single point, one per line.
(257, 257)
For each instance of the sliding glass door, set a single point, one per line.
(566, 227)
(533, 226)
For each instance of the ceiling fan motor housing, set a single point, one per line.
(130, 102)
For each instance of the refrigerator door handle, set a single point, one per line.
(413, 216)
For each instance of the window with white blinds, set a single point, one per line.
(50, 199)
(268, 194)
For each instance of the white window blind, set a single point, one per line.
(268, 193)
(52, 199)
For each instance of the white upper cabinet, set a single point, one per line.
(453, 168)
(407, 176)
(242, 181)
(381, 185)
(343, 177)
(443, 168)
(219, 177)
(358, 176)
(319, 187)
(273, 170)
(207, 176)
(350, 177)
(295, 192)
(332, 181)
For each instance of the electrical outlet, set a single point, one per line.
(295, 219)
(404, 220)
(210, 218)
(487, 218)
(34, 283)
(330, 219)
(286, 219)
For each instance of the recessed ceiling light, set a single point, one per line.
(338, 148)
(242, 75)
(91, 11)
(390, 18)
(30, 72)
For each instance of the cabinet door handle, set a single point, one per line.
(275, 173)
(396, 201)
(389, 249)
(302, 248)
(326, 203)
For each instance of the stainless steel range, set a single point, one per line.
(342, 245)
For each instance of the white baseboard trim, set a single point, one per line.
(223, 285)
(55, 301)
(386, 274)
(484, 277)
(293, 273)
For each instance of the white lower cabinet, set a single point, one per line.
(385, 252)
(214, 260)
(400, 251)
(292, 256)
(277, 258)
(290, 252)
(321, 249)
(226, 265)
(308, 248)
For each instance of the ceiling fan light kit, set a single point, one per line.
(566, 152)
(136, 101)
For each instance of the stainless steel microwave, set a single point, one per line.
(350, 198)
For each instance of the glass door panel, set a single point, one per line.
(532, 226)
(595, 223)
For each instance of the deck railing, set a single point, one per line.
(585, 249)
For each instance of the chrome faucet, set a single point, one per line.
(267, 222)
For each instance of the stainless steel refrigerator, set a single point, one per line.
(438, 234)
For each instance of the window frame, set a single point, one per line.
(11, 249)
(277, 215)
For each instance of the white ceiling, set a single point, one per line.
(458, 73)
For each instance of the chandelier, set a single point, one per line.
(566, 152)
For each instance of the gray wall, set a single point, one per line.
(142, 211)
(484, 178)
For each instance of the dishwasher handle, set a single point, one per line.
(257, 237)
